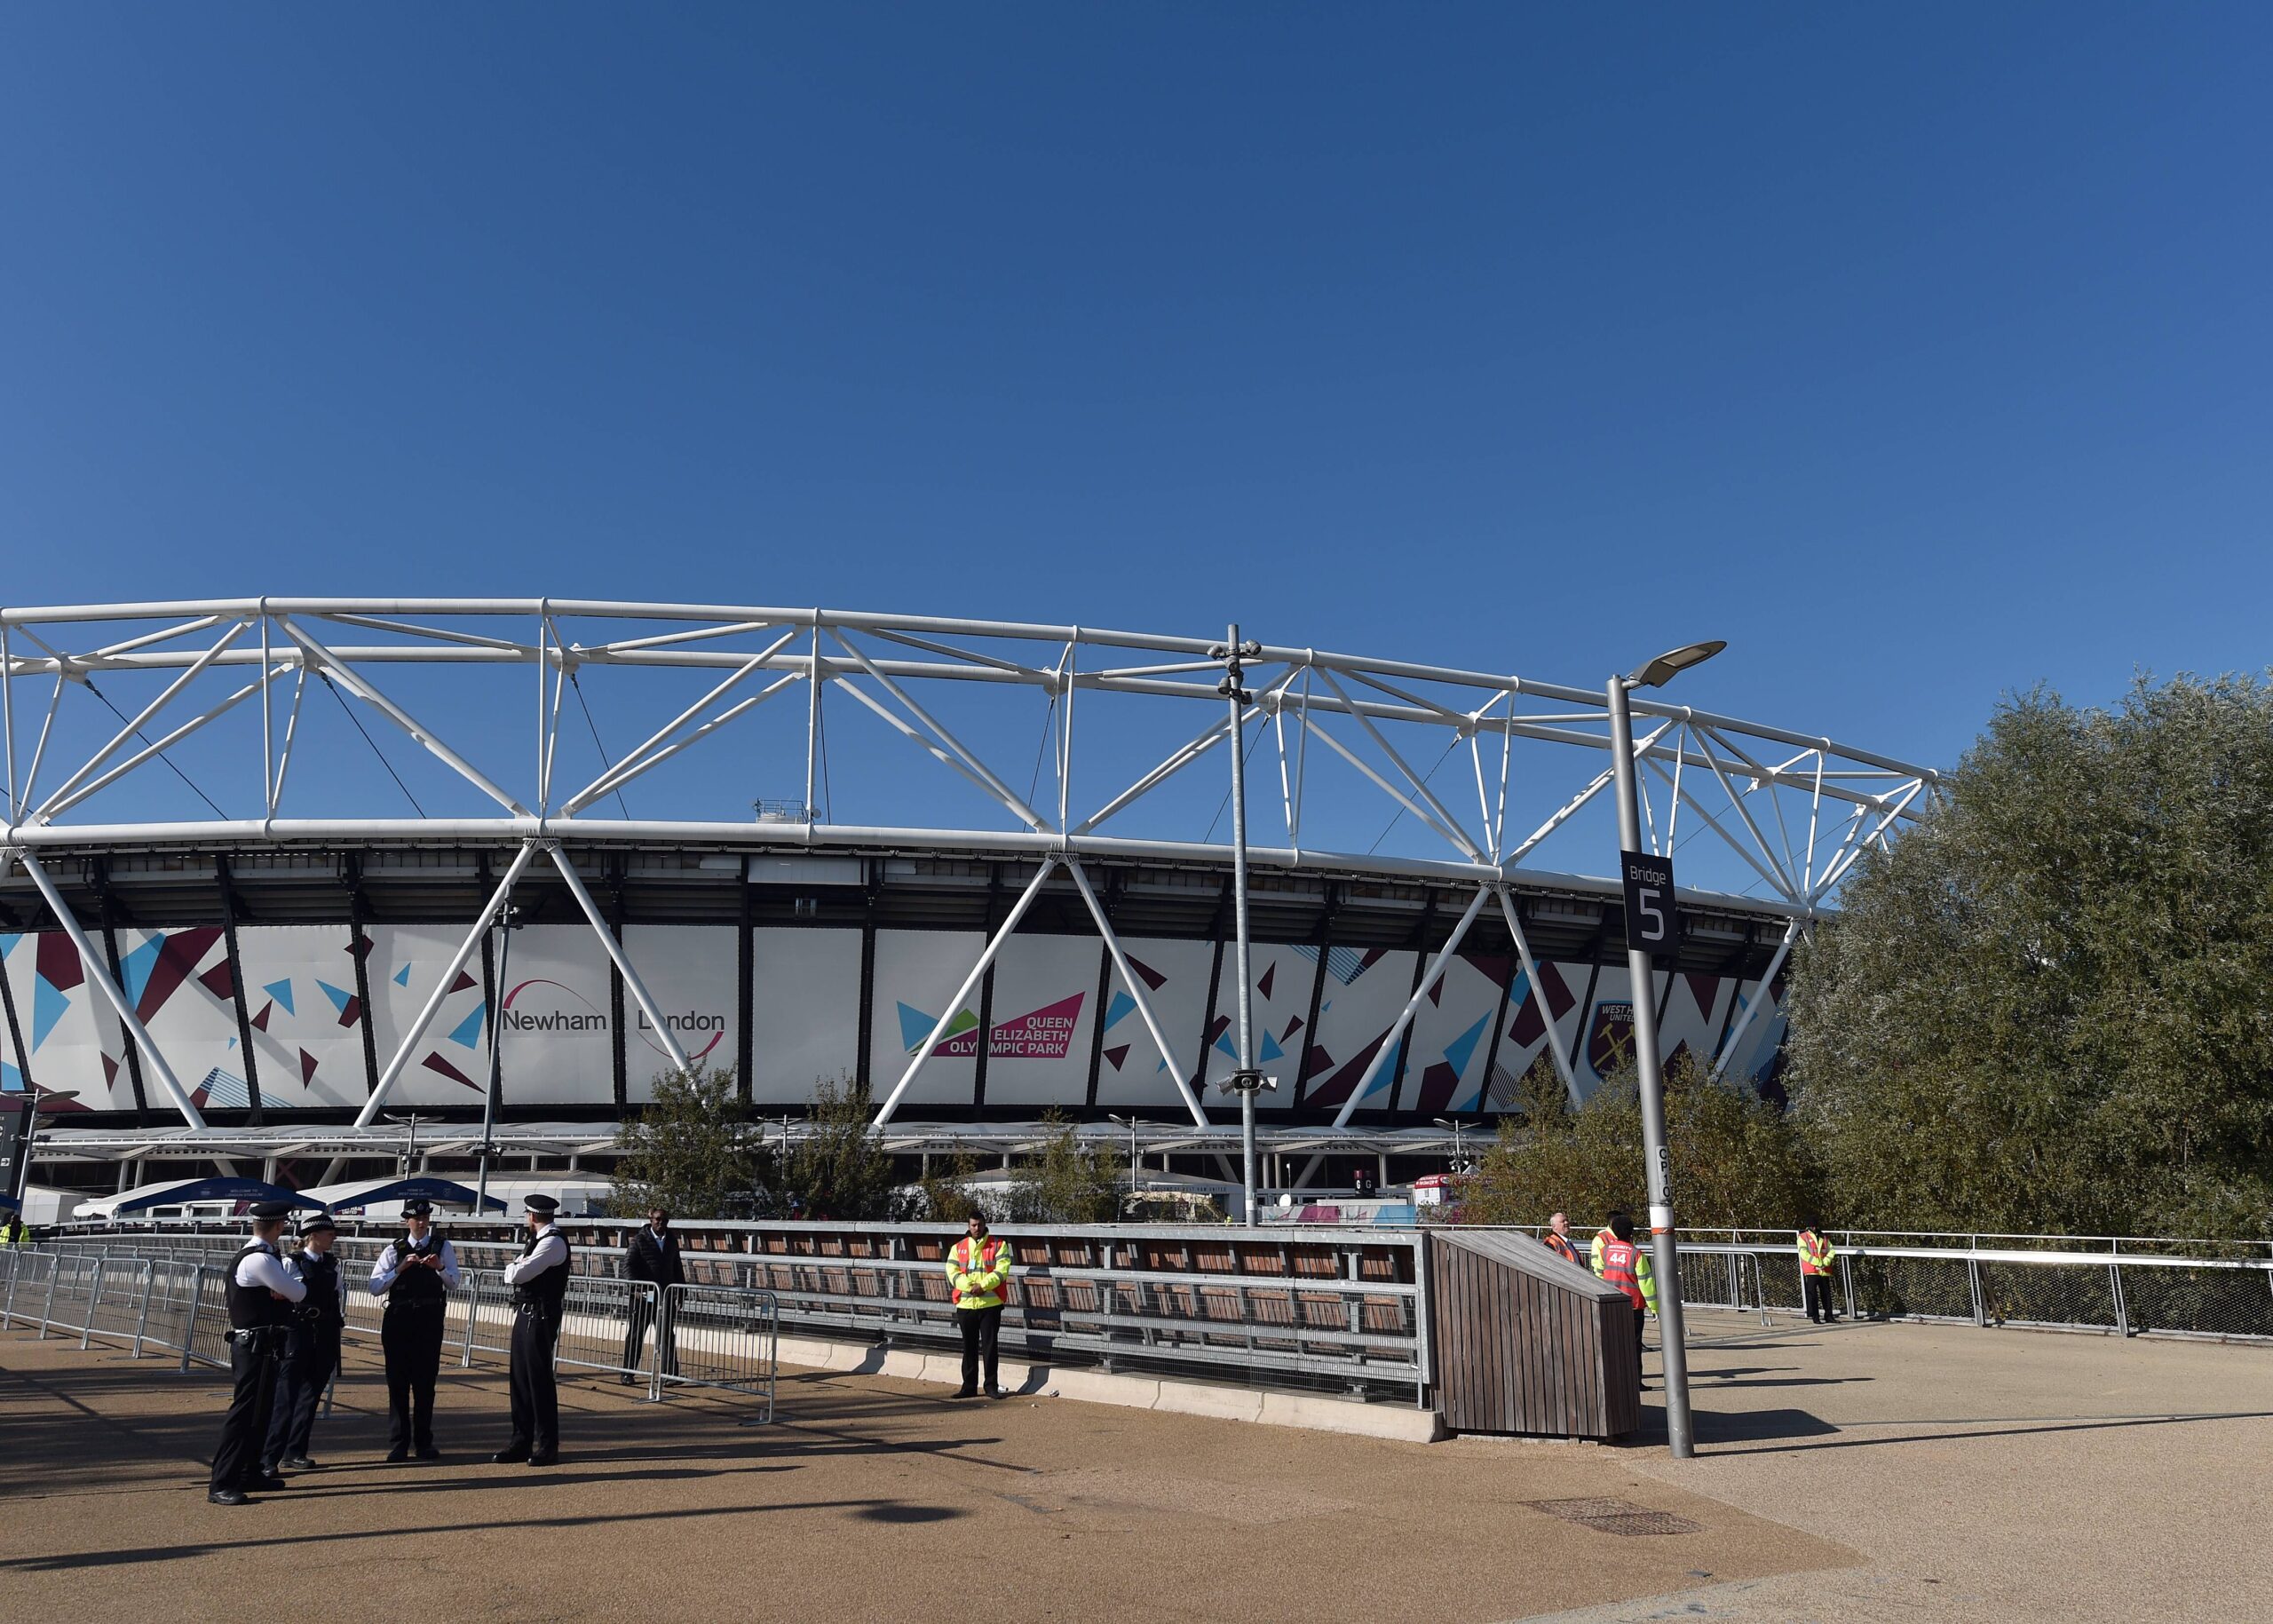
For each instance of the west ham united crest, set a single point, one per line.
(1610, 1037)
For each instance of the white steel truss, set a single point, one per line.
(1788, 813)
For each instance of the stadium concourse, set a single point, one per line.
(1850, 1472)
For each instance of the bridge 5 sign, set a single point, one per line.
(1652, 923)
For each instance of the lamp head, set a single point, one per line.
(1670, 664)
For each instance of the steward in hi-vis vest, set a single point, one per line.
(1815, 1275)
(1623, 1265)
(978, 1280)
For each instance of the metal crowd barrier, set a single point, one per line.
(719, 1338)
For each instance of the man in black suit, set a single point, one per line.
(652, 1256)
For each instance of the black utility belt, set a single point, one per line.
(415, 1305)
(255, 1336)
(541, 1310)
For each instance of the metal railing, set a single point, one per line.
(144, 1302)
(716, 1336)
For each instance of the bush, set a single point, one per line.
(693, 1150)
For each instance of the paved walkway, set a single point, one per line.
(1851, 1472)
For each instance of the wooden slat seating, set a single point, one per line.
(1526, 1342)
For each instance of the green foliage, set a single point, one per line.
(1737, 1161)
(841, 1169)
(1068, 1182)
(945, 1192)
(692, 1149)
(2050, 1007)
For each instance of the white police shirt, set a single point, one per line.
(551, 1252)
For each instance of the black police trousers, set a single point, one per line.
(410, 1337)
(1817, 1290)
(979, 1327)
(536, 1402)
(252, 1364)
(311, 1354)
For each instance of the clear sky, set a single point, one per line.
(1920, 352)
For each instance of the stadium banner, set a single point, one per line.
(1175, 978)
(1284, 977)
(1045, 1018)
(1536, 1015)
(450, 1064)
(182, 990)
(1364, 990)
(75, 1051)
(1451, 1035)
(917, 972)
(689, 970)
(305, 1015)
(805, 1012)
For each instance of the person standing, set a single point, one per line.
(260, 1290)
(1605, 1235)
(12, 1232)
(1557, 1239)
(311, 1348)
(539, 1278)
(414, 1275)
(1815, 1276)
(652, 1257)
(978, 1277)
(1625, 1266)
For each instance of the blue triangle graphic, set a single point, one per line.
(11, 1081)
(402, 975)
(282, 991)
(914, 1027)
(1457, 1052)
(468, 1032)
(1387, 1074)
(134, 969)
(8, 941)
(48, 1007)
(1271, 1050)
(338, 996)
(1121, 1005)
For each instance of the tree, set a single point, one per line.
(840, 1169)
(2050, 1005)
(1737, 1161)
(1069, 1183)
(692, 1149)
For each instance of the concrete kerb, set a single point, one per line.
(1317, 1412)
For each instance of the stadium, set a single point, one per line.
(271, 863)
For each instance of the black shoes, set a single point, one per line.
(297, 1462)
(397, 1455)
(968, 1392)
(230, 1497)
(430, 1453)
(996, 1392)
(269, 1481)
(544, 1457)
(509, 1456)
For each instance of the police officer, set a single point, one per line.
(415, 1275)
(311, 1348)
(539, 1278)
(260, 1290)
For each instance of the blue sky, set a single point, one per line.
(1922, 352)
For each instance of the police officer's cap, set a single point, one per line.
(271, 1209)
(317, 1224)
(543, 1205)
(417, 1207)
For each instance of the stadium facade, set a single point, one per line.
(302, 969)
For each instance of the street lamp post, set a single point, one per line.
(1665, 1252)
(1135, 1167)
(508, 922)
(1460, 1143)
(1245, 1082)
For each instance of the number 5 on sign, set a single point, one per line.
(1652, 922)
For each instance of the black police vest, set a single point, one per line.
(320, 1273)
(251, 1307)
(417, 1285)
(548, 1290)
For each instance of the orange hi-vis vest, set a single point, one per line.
(1624, 1267)
(1815, 1253)
(979, 1276)
(1561, 1246)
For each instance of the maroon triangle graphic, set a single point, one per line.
(462, 983)
(1437, 993)
(351, 1011)
(219, 981)
(360, 946)
(1117, 1054)
(57, 961)
(1263, 985)
(1293, 1026)
(110, 1069)
(1705, 989)
(307, 1067)
(435, 1063)
(1153, 979)
(177, 955)
(261, 1021)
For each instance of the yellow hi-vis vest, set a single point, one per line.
(979, 1273)
(1815, 1253)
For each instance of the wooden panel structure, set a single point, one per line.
(1525, 1341)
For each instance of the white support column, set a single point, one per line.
(410, 1039)
(647, 1004)
(99, 972)
(1531, 978)
(993, 946)
(1137, 993)
(1744, 1022)
(1396, 1035)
